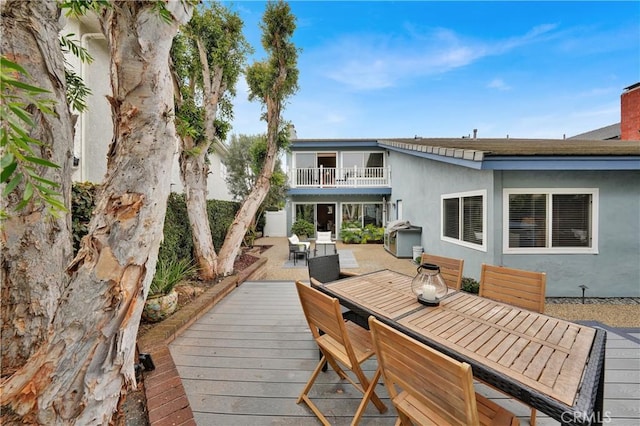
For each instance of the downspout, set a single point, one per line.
(81, 117)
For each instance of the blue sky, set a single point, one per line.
(382, 69)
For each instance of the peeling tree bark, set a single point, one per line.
(250, 205)
(194, 171)
(78, 374)
(35, 248)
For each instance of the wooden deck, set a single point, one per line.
(246, 361)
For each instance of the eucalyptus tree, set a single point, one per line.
(244, 162)
(80, 370)
(270, 81)
(208, 58)
(36, 151)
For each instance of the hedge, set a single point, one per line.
(177, 243)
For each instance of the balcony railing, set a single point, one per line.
(331, 177)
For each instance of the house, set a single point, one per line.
(94, 128)
(570, 208)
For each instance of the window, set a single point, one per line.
(359, 215)
(362, 159)
(464, 218)
(550, 220)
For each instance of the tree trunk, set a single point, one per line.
(78, 374)
(35, 248)
(251, 204)
(195, 170)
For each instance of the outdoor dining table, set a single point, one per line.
(550, 364)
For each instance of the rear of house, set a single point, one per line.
(567, 208)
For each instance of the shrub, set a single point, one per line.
(352, 233)
(373, 234)
(83, 201)
(303, 227)
(168, 274)
(470, 285)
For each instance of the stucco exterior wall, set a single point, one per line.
(420, 183)
(613, 272)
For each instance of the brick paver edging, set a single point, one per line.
(167, 403)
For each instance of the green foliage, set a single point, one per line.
(21, 167)
(470, 285)
(218, 31)
(169, 273)
(352, 232)
(177, 242)
(303, 227)
(351, 235)
(275, 78)
(79, 8)
(82, 204)
(221, 215)
(373, 234)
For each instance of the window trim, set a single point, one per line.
(549, 192)
(460, 242)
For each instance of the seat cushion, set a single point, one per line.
(294, 239)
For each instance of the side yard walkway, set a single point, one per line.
(246, 360)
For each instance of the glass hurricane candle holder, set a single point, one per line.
(428, 285)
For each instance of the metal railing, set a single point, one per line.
(331, 177)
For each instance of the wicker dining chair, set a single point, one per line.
(344, 345)
(327, 268)
(429, 387)
(518, 287)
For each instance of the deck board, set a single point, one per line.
(244, 363)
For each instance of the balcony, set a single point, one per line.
(331, 177)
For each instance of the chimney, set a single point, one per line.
(475, 133)
(630, 113)
(292, 132)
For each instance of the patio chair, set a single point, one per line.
(343, 345)
(324, 269)
(450, 268)
(324, 239)
(524, 289)
(429, 387)
(295, 246)
(327, 268)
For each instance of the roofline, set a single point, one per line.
(477, 160)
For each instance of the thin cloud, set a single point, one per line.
(372, 62)
(499, 84)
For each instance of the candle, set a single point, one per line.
(429, 292)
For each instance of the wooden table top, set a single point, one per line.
(544, 353)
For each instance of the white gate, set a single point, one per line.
(275, 224)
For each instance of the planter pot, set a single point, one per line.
(157, 308)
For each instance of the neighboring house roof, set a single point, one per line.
(609, 132)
